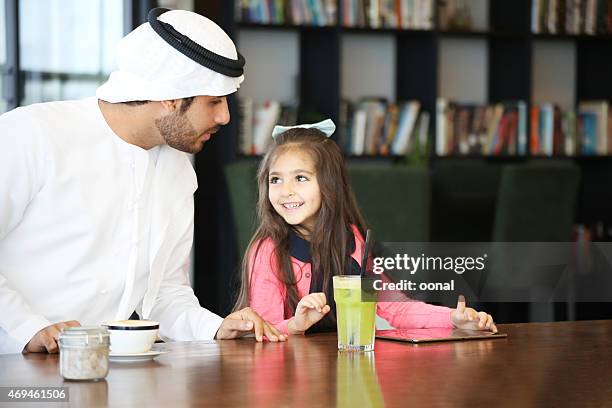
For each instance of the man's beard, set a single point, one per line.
(179, 133)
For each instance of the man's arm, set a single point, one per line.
(179, 313)
(21, 177)
(18, 323)
(176, 307)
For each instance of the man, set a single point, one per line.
(96, 195)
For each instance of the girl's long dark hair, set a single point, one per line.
(332, 230)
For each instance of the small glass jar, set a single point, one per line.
(84, 352)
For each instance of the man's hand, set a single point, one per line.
(246, 321)
(467, 318)
(310, 310)
(46, 339)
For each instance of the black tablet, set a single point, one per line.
(436, 334)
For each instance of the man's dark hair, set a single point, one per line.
(184, 106)
(136, 103)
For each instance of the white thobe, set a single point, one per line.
(91, 227)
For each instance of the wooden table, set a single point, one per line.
(538, 365)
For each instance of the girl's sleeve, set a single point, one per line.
(266, 290)
(412, 314)
(405, 313)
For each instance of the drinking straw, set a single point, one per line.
(366, 252)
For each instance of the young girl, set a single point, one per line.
(311, 229)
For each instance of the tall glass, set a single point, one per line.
(355, 314)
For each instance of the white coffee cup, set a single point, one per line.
(132, 336)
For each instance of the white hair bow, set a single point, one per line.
(326, 126)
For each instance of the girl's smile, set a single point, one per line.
(292, 206)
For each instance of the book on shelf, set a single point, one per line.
(287, 12)
(265, 117)
(375, 115)
(368, 119)
(481, 129)
(568, 129)
(356, 139)
(406, 127)
(587, 133)
(552, 131)
(420, 148)
(391, 125)
(257, 121)
(245, 135)
(454, 15)
(593, 129)
(375, 127)
(395, 14)
(573, 17)
(545, 129)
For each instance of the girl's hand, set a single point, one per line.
(467, 318)
(310, 310)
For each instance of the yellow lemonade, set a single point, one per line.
(355, 318)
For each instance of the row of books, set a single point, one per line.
(404, 14)
(472, 129)
(547, 16)
(587, 131)
(501, 129)
(571, 16)
(291, 12)
(374, 127)
(370, 127)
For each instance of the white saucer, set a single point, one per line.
(132, 357)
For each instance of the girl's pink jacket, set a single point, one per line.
(267, 293)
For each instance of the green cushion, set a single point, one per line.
(463, 199)
(537, 202)
(242, 188)
(394, 200)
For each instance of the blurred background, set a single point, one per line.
(461, 120)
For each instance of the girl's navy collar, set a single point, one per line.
(299, 248)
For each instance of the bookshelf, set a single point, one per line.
(499, 60)
(400, 64)
(315, 68)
